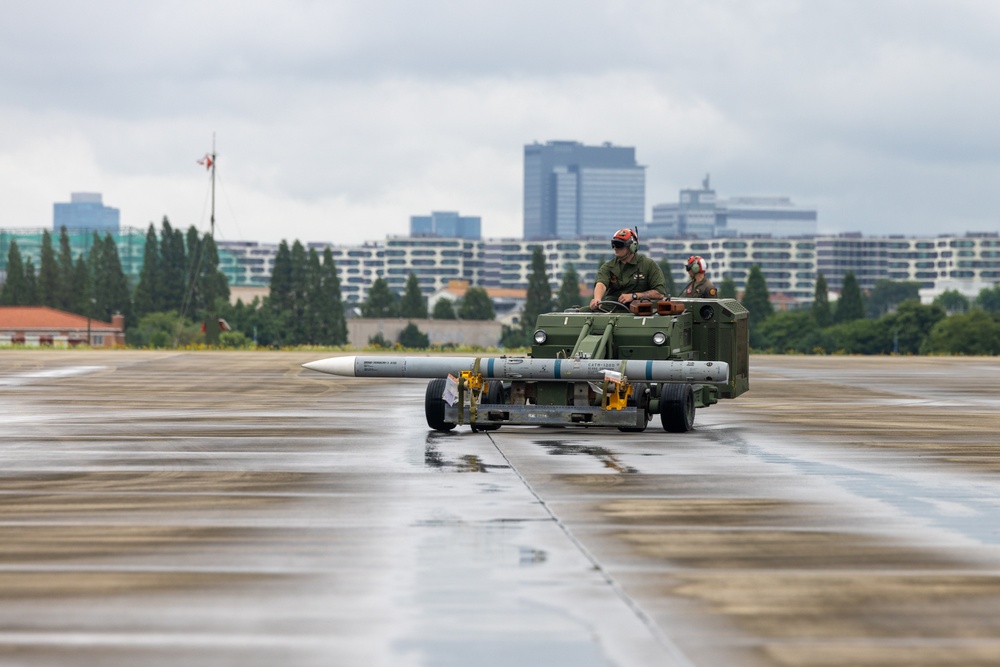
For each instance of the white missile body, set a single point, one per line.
(525, 368)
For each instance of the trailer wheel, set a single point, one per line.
(639, 400)
(676, 407)
(434, 405)
(494, 396)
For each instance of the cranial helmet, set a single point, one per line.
(628, 237)
(696, 264)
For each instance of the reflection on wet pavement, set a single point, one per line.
(434, 458)
(605, 456)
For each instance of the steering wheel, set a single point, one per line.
(607, 306)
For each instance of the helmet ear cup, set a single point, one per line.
(697, 264)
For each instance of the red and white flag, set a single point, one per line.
(207, 161)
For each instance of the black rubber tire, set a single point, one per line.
(640, 400)
(676, 407)
(434, 405)
(494, 395)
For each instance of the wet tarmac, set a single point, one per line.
(200, 508)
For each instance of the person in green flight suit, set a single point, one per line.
(700, 287)
(629, 276)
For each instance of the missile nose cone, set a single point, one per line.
(333, 366)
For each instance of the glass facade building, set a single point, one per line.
(85, 211)
(698, 213)
(573, 191)
(446, 224)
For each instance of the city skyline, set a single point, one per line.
(337, 117)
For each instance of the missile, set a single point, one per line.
(524, 368)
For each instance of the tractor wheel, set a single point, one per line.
(676, 407)
(434, 405)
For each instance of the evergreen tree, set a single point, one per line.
(66, 298)
(111, 291)
(30, 284)
(413, 303)
(727, 290)
(335, 331)
(476, 305)
(756, 297)
(82, 289)
(297, 321)
(757, 300)
(539, 296)
(668, 276)
(49, 288)
(443, 310)
(821, 303)
(172, 269)
(851, 305)
(316, 312)
(147, 291)
(280, 298)
(100, 280)
(210, 283)
(15, 289)
(192, 304)
(569, 290)
(381, 301)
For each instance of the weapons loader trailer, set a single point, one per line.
(619, 366)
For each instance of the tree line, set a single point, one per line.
(91, 284)
(889, 320)
(180, 276)
(181, 286)
(305, 304)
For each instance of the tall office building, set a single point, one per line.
(573, 191)
(85, 211)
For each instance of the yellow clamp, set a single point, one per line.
(616, 393)
(474, 381)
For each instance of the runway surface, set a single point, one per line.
(210, 508)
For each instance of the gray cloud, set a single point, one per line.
(351, 115)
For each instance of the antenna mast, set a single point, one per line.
(212, 219)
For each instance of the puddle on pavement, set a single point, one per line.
(607, 457)
(438, 460)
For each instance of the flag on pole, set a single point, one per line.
(207, 161)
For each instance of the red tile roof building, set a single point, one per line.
(40, 325)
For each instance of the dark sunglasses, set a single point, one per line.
(617, 244)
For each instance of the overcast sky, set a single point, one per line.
(337, 120)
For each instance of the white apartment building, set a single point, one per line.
(789, 265)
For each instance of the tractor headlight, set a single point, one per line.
(540, 337)
(659, 338)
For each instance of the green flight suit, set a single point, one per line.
(702, 289)
(640, 274)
